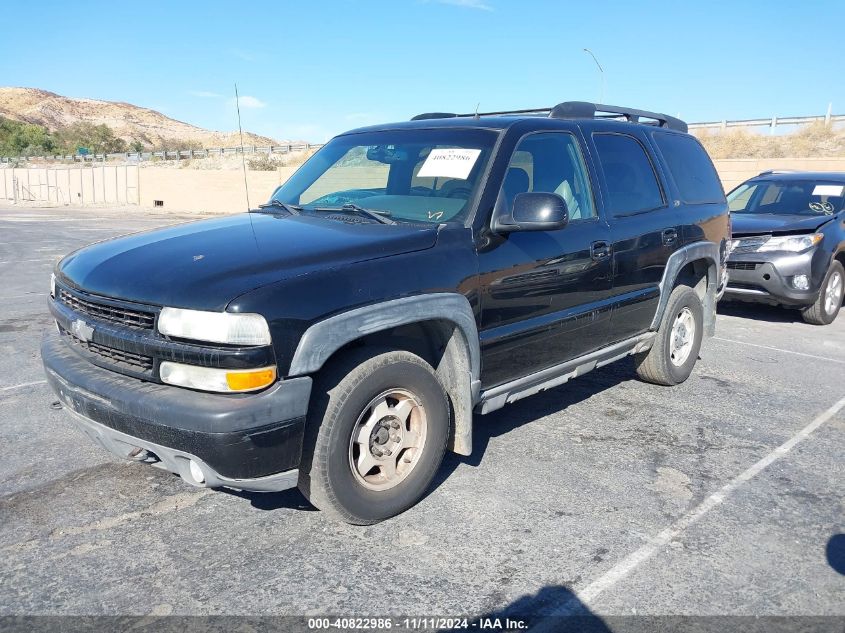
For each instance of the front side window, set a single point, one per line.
(793, 197)
(631, 181)
(550, 163)
(408, 175)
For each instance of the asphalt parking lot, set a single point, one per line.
(605, 495)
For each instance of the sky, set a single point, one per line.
(307, 70)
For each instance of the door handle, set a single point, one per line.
(670, 236)
(599, 250)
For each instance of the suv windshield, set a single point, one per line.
(410, 175)
(793, 197)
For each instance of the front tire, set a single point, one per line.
(376, 435)
(675, 350)
(829, 301)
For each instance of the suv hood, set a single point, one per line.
(763, 223)
(205, 265)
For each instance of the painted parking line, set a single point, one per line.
(623, 568)
(28, 295)
(778, 349)
(25, 384)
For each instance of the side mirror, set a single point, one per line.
(535, 212)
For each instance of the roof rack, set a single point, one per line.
(577, 110)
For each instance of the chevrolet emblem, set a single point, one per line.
(82, 330)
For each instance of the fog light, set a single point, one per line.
(801, 282)
(196, 471)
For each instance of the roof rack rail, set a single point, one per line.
(775, 171)
(577, 110)
(452, 115)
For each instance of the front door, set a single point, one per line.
(544, 294)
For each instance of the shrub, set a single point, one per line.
(262, 162)
(813, 140)
(98, 139)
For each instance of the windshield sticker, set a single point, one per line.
(449, 163)
(828, 190)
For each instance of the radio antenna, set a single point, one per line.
(243, 155)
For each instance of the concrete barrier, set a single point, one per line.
(207, 190)
(219, 191)
(734, 171)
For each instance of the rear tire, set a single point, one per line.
(829, 301)
(376, 434)
(672, 356)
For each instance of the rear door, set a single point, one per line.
(544, 294)
(644, 229)
(695, 184)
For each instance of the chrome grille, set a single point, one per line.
(136, 319)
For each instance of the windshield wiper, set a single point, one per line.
(350, 207)
(290, 208)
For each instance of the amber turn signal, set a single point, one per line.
(250, 380)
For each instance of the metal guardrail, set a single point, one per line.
(169, 154)
(773, 122)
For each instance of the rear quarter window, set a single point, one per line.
(629, 174)
(691, 169)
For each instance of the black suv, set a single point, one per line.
(789, 242)
(407, 275)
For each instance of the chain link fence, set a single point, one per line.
(78, 186)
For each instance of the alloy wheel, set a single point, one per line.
(388, 439)
(682, 337)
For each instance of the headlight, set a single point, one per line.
(212, 379)
(214, 327)
(762, 243)
(792, 243)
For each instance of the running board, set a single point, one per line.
(497, 397)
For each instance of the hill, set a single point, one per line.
(129, 122)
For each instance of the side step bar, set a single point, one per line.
(497, 397)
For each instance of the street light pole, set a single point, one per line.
(601, 73)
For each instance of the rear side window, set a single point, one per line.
(631, 182)
(694, 174)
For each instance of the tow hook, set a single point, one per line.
(138, 454)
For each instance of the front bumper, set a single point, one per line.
(243, 441)
(767, 278)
